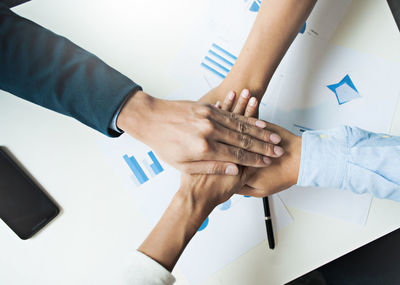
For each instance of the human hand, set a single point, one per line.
(198, 195)
(196, 137)
(283, 171)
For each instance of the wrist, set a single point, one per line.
(175, 229)
(134, 113)
(237, 81)
(192, 209)
(295, 153)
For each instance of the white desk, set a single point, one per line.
(100, 224)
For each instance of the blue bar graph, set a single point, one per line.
(217, 64)
(152, 168)
(220, 57)
(224, 51)
(136, 169)
(206, 66)
(218, 61)
(155, 166)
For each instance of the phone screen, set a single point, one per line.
(24, 207)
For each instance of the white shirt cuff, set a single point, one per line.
(145, 270)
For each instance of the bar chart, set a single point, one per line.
(218, 61)
(152, 167)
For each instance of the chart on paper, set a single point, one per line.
(139, 176)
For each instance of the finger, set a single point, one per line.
(210, 167)
(240, 156)
(242, 102)
(218, 104)
(251, 108)
(248, 142)
(250, 191)
(228, 101)
(245, 125)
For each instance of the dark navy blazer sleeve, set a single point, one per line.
(51, 71)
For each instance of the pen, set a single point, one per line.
(268, 224)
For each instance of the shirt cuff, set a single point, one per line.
(113, 125)
(145, 270)
(323, 158)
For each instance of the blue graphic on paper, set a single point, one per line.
(218, 61)
(255, 6)
(136, 169)
(203, 225)
(156, 167)
(225, 206)
(303, 28)
(139, 176)
(345, 90)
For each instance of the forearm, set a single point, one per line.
(352, 159)
(175, 229)
(51, 71)
(275, 28)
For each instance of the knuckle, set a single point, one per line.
(246, 141)
(269, 149)
(186, 168)
(266, 135)
(204, 148)
(242, 127)
(205, 110)
(213, 168)
(259, 159)
(207, 127)
(240, 154)
(232, 116)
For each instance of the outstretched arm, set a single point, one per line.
(49, 70)
(275, 28)
(347, 158)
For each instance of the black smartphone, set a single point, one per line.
(24, 207)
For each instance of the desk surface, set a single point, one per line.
(100, 225)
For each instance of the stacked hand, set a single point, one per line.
(212, 190)
(199, 194)
(197, 137)
(283, 171)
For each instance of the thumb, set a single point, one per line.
(210, 167)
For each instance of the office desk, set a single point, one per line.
(100, 224)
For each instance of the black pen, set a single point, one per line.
(268, 224)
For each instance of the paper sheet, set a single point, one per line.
(232, 228)
(333, 203)
(325, 90)
(305, 99)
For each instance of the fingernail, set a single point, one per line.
(278, 150)
(231, 170)
(275, 138)
(245, 93)
(218, 105)
(261, 124)
(253, 101)
(266, 160)
(231, 95)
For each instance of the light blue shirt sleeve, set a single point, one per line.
(351, 159)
